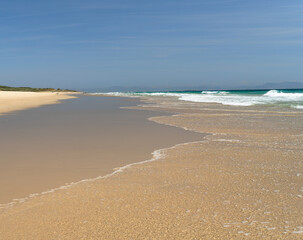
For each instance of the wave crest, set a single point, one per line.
(280, 93)
(287, 98)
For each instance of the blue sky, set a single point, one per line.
(95, 44)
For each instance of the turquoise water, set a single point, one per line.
(236, 92)
(290, 98)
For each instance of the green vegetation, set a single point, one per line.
(29, 89)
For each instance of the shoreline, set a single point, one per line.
(114, 171)
(240, 181)
(157, 155)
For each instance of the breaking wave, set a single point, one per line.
(234, 97)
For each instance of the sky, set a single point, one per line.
(161, 43)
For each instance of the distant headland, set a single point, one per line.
(30, 89)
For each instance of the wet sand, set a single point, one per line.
(81, 138)
(243, 181)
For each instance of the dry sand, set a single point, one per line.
(13, 101)
(244, 181)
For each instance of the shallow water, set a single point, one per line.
(46, 147)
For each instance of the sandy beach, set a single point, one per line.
(154, 120)
(47, 147)
(241, 181)
(13, 101)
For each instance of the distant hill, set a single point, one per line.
(146, 89)
(29, 89)
(281, 85)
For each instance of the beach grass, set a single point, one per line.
(30, 89)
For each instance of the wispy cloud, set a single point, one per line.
(272, 31)
(53, 27)
(99, 5)
(79, 42)
(27, 38)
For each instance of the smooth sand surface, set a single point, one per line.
(44, 148)
(14, 101)
(243, 181)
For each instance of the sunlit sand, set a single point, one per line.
(242, 180)
(13, 101)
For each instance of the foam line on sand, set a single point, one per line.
(156, 155)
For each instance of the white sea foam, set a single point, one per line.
(299, 230)
(297, 106)
(284, 95)
(156, 155)
(228, 98)
(225, 99)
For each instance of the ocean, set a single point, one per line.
(289, 98)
